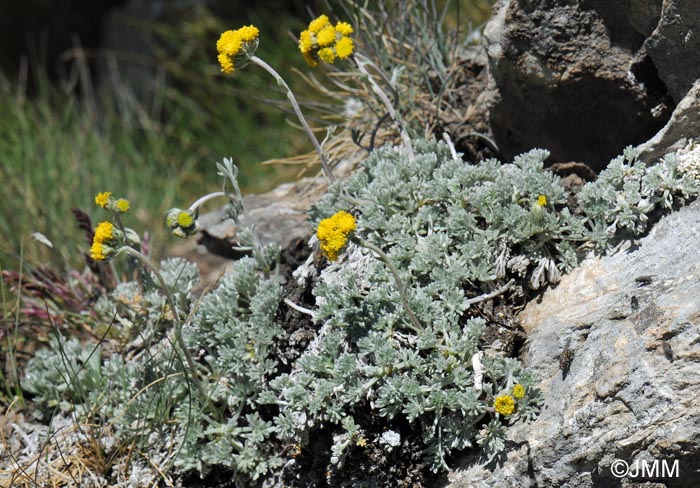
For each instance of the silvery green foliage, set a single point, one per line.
(492, 437)
(624, 195)
(179, 275)
(453, 230)
(267, 256)
(63, 375)
(128, 312)
(447, 223)
(426, 378)
(137, 394)
(78, 379)
(234, 332)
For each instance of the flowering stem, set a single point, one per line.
(417, 326)
(178, 324)
(205, 199)
(280, 82)
(361, 61)
(255, 246)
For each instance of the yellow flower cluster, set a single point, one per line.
(97, 251)
(542, 200)
(104, 235)
(504, 404)
(333, 233)
(518, 391)
(236, 47)
(104, 232)
(324, 42)
(105, 200)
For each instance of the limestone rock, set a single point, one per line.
(632, 391)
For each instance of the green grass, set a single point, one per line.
(60, 148)
(476, 11)
(57, 152)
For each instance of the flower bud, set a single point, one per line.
(132, 238)
(182, 223)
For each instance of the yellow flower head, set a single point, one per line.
(361, 441)
(97, 251)
(326, 37)
(542, 200)
(333, 233)
(102, 199)
(322, 42)
(248, 33)
(306, 43)
(343, 28)
(518, 391)
(181, 222)
(236, 47)
(184, 219)
(319, 23)
(229, 43)
(326, 55)
(504, 404)
(344, 47)
(226, 63)
(100, 251)
(122, 205)
(104, 232)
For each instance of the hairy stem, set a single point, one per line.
(493, 294)
(417, 326)
(178, 323)
(205, 199)
(292, 99)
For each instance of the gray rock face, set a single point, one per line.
(278, 216)
(674, 43)
(683, 126)
(575, 77)
(632, 391)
